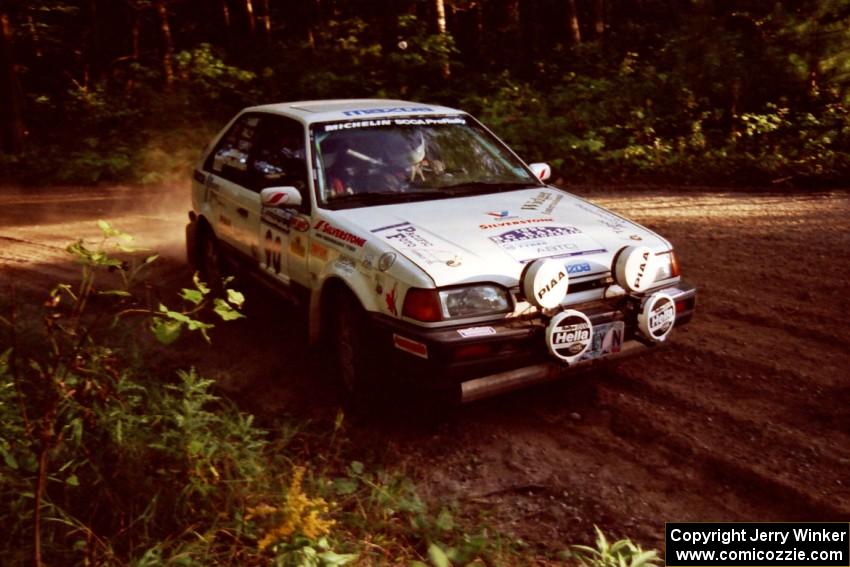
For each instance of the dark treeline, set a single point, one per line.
(702, 91)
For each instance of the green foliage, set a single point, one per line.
(754, 93)
(622, 553)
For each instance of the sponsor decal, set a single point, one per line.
(406, 235)
(476, 332)
(409, 345)
(657, 317)
(634, 268)
(544, 202)
(635, 237)
(334, 235)
(273, 246)
(501, 215)
(386, 261)
(391, 298)
(428, 121)
(529, 243)
(581, 268)
(569, 335)
(300, 224)
(224, 220)
(612, 221)
(318, 251)
(502, 224)
(297, 248)
(390, 110)
(545, 283)
(534, 233)
(383, 122)
(278, 218)
(345, 264)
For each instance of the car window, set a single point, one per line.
(278, 156)
(230, 157)
(362, 162)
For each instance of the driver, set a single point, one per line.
(406, 161)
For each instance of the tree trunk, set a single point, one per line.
(441, 29)
(167, 44)
(572, 20)
(599, 17)
(267, 22)
(249, 14)
(11, 97)
(225, 15)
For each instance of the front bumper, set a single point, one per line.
(512, 353)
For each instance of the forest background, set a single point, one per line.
(704, 92)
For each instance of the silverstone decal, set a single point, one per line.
(517, 222)
(476, 332)
(634, 268)
(657, 317)
(334, 235)
(544, 202)
(405, 235)
(524, 244)
(502, 215)
(545, 283)
(281, 219)
(569, 334)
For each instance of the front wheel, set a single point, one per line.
(356, 359)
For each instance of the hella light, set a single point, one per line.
(474, 301)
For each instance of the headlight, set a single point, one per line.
(474, 301)
(668, 266)
(432, 305)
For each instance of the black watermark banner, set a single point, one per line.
(739, 544)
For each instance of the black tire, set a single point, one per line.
(356, 360)
(210, 262)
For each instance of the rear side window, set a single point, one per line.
(230, 159)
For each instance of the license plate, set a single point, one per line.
(607, 339)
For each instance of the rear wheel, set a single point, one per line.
(210, 261)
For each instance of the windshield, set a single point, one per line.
(363, 162)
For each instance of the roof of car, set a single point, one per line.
(310, 111)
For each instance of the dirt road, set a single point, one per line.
(745, 417)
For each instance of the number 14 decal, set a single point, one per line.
(273, 248)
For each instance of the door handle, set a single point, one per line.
(242, 212)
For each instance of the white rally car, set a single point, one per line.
(422, 247)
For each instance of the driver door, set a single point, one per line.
(278, 160)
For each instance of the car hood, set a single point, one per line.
(491, 237)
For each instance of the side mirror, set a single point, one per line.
(283, 197)
(541, 170)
